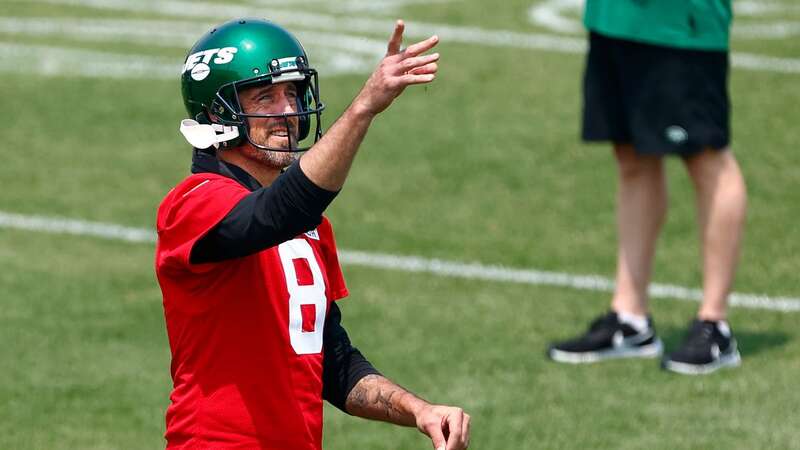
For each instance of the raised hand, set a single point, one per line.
(398, 69)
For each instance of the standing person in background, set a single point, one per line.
(656, 85)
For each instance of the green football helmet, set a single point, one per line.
(236, 55)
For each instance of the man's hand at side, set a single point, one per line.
(378, 398)
(447, 426)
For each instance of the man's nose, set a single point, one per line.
(287, 104)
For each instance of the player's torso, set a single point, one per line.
(250, 367)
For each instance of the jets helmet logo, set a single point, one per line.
(199, 62)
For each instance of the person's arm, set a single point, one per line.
(352, 384)
(268, 216)
(378, 398)
(295, 201)
(343, 366)
(328, 162)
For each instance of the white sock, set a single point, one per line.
(637, 322)
(724, 328)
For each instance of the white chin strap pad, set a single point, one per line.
(205, 136)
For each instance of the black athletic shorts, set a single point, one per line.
(662, 100)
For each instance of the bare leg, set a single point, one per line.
(721, 206)
(641, 209)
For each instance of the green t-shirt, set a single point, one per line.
(692, 24)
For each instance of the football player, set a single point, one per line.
(247, 263)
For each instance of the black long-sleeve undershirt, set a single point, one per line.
(342, 365)
(291, 205)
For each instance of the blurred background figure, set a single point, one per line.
(656, 84)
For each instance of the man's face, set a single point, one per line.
(277, 98)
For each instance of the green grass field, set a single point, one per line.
(485, 165)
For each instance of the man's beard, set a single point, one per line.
(271, 159)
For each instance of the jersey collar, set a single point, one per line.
(204, 162)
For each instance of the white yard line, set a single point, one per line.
(163, 33)
(762, 7)
(473, 271)
(160, 33)
(382, 7)
(415, 30)
(56, 61)
(60, 225)
(758, 62)
(550, 14)
(332, 53)
(769, 30)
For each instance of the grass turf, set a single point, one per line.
(484, 165)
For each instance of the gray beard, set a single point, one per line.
(273, 160)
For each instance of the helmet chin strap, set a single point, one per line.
(204, 136)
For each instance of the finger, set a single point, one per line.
(437, 437)
(409, 79)
(397, 39)
(454, 422)
(409, 64)
(427, 68)
(421, 47)
(465, 430)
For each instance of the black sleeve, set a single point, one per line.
(343, 365)
(291, 205)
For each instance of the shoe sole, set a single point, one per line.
(654, 350)
(732, 360)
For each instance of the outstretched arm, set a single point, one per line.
(378, 398)
(328, 162)
(297, 199)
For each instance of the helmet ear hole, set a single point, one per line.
(210, 115)
(204, 117)
(215, 112)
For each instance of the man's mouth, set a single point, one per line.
(280, 132)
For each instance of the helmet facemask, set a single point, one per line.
(227, 110)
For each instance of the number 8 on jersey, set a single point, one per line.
(306, 296)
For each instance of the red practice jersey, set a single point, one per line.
(246, 333)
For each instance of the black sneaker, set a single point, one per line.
(705, 350)
(608, 338)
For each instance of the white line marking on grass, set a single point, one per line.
(473, 271)
(331, 53)
(758, 62)
(415, 30)
(773, 30)
(760, 7)
(56, 61)
(164, 33)
(549, 14)
(58, 225)
(384, 7)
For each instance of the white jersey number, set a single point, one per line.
(311, 296)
